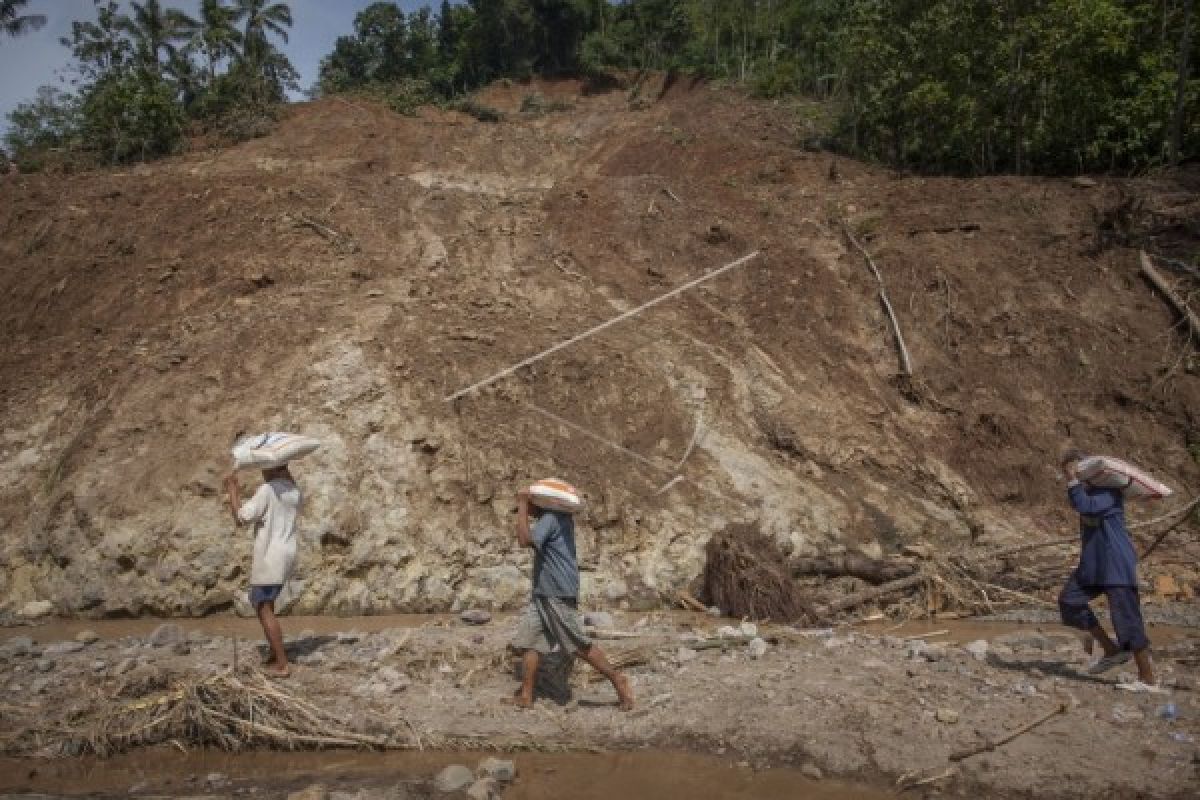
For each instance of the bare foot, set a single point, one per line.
(624, 693)
(277, 671)
(522, 700)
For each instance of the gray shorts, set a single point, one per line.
(549, 624)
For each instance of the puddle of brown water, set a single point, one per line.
(581, 776)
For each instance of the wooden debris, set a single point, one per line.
(1158, 282)
(857, 566)
(906, 368)
(746, 575)
(868, 595)
(992, 744)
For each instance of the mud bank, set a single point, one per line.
(864, 707)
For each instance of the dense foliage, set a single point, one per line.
(970, 86)
(140, 78)
(959, 85)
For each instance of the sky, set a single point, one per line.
(37, 59)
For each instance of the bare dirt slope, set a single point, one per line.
(345, 274)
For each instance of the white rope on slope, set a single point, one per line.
(602, 326)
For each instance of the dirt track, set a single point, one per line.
(864, 707)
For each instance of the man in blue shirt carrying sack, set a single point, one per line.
(1108, 566)
(552, 620)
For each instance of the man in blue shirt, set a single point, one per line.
(1108, 566)
(552, 621)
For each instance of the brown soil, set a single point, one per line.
(862, 707)
(164, 295)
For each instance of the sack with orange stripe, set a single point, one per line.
(552, 494)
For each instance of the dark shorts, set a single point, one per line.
(264, 594)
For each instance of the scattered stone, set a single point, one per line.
(216, 780)
(19, 646)
(482, 789)
(62, 648)
(475, 616)
(978, 649)
(947, 715)
(498, 769)
(314, 792)
(99, 666)
(87, 637)
(349, 637)
(812, 772)
(393, 679)
(916, 648)
(714, 611)
(43, 665)
(598, 619)
(685, 654)
(728, 632)
(748, 629)
(167, 634)
(36, 610)
(453, 778)
(1084, 182)
(757, 648)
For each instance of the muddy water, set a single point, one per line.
(647, 774)
(958, 630)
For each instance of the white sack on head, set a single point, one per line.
(555, 495)
(270, 450)
(1113, 473)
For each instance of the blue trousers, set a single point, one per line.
(1123, 607)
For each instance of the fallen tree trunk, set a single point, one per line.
(868, 595)
(867, 569)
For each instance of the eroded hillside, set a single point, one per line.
(344, 275)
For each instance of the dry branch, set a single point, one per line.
(905, 360)
(993, 744)
(866, 569)
(868, 595)
(1181, 308)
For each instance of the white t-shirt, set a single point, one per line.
(273, 510)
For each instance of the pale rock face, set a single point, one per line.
(111, 504)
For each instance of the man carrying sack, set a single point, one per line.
(272, 510)
(552, 620)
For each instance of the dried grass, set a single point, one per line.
(226, 711)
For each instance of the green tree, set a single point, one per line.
(13, 23)
(262, 19)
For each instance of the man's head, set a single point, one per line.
(277, 473)
(1071, 456)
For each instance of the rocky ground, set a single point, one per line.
(872, 707)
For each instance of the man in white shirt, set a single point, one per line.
(272, 510)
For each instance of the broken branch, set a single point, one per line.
(905, 360)
(993, 744)
(1156, 280)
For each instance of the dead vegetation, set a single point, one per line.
(745, 575)
(227, 711)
